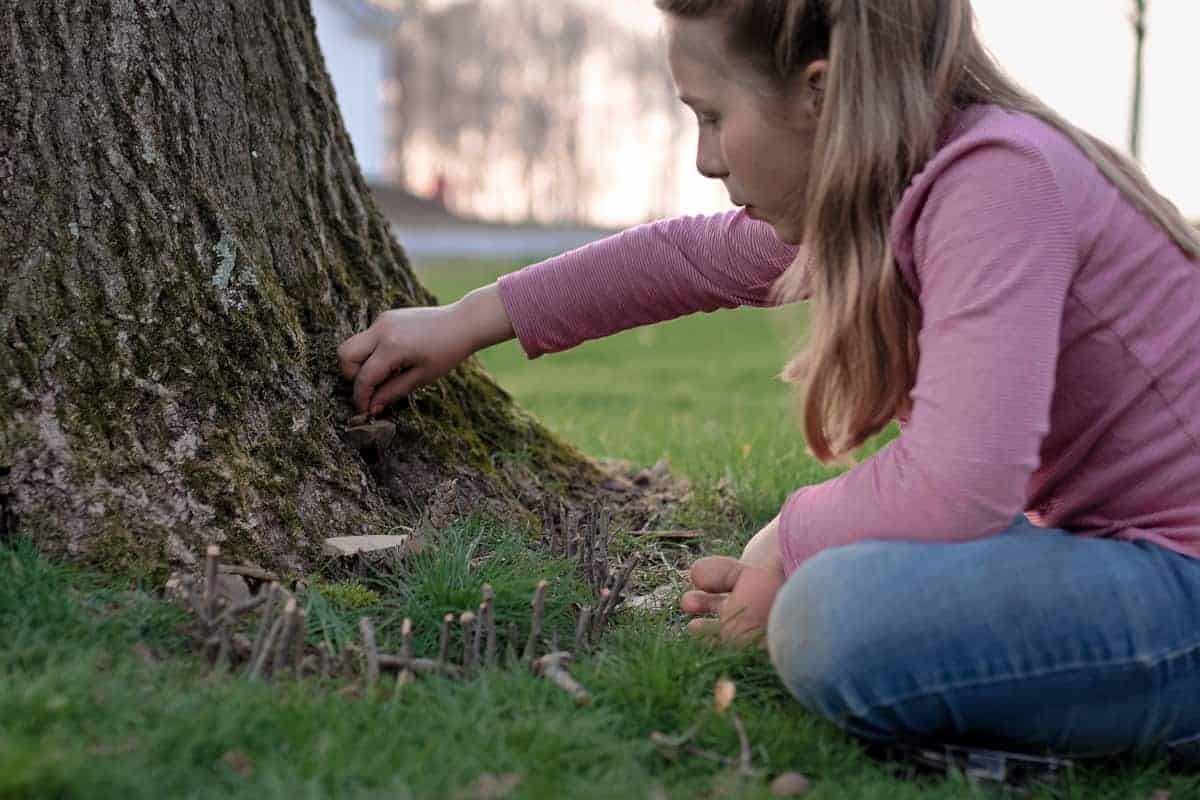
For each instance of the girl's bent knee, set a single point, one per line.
(806, 638)
(827, 622)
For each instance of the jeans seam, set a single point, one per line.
(1077, 666)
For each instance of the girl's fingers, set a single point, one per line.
(716, 574)
(375, 371)
(354, 351)
(694, 602)
(705, 627)
(395, 387)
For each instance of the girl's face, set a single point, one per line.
(755, 138)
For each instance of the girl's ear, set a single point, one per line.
(814, 80)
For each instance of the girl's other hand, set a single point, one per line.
(735, 598)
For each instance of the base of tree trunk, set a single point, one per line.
(185, 238)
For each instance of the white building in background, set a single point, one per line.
(357, 61)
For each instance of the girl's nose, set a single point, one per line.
(709, 161)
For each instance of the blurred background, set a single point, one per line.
(513, 128)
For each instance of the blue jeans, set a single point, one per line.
(1030, 640)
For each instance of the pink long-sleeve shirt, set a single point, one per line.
(1060, 345)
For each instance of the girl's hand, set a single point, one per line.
(738, 594)
(408, 348)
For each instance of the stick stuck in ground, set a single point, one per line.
(489, 623)
(582, 625)
(535, 631)
(444, 638)
(406, 676)
(212, 559)
(367, 629)
(466, 622)
(268, 617)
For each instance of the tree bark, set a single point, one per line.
(185, 238)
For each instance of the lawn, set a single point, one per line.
(99, 696)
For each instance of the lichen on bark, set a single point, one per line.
(185, 238)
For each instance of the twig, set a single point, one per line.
(683, 738)
(241, 609)
(195, 599)
(268, 616)
(283, 646)
(247, 572)
(605, 540)
(623, 579)
(465, 622)
(610, 602)
(298, 635)
(368, 636)
(241, 645)
(581, 629)
(599, 616)
(745, 762)
(489, 600)
(477, 635)
(552, 668)
(323, 660)
(406, 676)
(419, 665)
(212, 560)
(589, 552)
(510, 643)
(444, 638)
(564, 533)
(268, 645)
(226, 646)
(535, 631)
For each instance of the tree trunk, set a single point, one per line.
(186, 238)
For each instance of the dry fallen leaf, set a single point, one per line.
(790, 784)
(723, 694)
(490, 787)
(239, 762)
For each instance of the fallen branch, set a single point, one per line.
(419, 665)
(552, 667)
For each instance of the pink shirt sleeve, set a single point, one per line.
(995, 254)
(646, 274)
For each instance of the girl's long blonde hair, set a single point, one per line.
(897, 69)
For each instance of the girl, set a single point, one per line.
(1021, 567)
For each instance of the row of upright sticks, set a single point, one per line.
(279, 644)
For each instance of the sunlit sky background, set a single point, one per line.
(1077, 55)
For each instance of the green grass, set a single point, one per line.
(701, 392)
(99, 696)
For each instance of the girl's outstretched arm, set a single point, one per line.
(647, 274)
